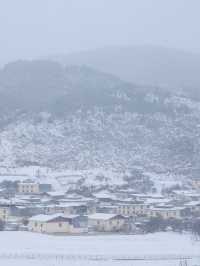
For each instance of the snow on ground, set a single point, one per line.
(92, 263)
(83, 250)
(150, 244)
(162, 181)
(63, 179)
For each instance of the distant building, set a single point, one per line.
(132, 209)
(55, 195)
(166, 212)
(30, 187)
(104, 222)
(193, 206)
(67, 208)
(196, 183)
(45, 187)
(4, 213)
(185, 195)
(54, 224)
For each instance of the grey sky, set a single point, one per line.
(32, 28)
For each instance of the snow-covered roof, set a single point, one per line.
(45, 217)
(188, 193)
(104, 195)
(71, 204)
(5, 201)
(154, 201)
(28, 182)
(193, 203)
(132, 204)
(55, 193)
(102, 216)
(166, 209)
(72, 216)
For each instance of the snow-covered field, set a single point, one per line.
(166, 249)
(94, 263)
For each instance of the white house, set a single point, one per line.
(52, 224)
(105, 222)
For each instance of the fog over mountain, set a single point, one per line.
(80, 118)
(142, 64)
(30, 29)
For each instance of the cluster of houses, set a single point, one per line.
(37, 207)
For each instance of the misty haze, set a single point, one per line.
(100, 133)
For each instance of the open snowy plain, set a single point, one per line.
(166, 249)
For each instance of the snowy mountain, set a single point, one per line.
(80, 118)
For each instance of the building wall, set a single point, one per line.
(30, 188)
(165, 214)
(4, 213)
(111, 225)
(196, 183)
(53, 209)
(135, 209)
(194, 209)
(50, 227)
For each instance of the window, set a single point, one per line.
(99, 223)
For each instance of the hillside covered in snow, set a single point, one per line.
(79, 118)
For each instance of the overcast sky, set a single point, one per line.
(32, 28)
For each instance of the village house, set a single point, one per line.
(79, 222)
(54, 195)
(11, 211)
(74, 208)
(105, 196)
(102, 208)
(195, 183)
(194, 207)
(56, 223)
(166, 212)
(104, 222)
(68, 208)
(149, 196)
(45, 187)
(4, 213)
(28, 187)
(185, 195)
(132, 209)
(31, 187)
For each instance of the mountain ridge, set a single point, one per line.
(146, 65)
